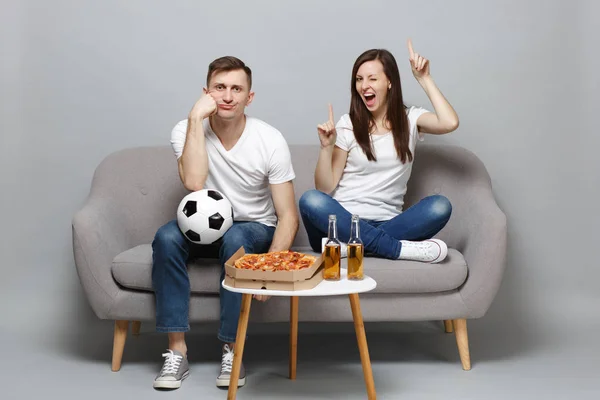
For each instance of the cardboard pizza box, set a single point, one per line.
(270, 276)
(276, 285)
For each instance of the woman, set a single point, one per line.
(366, 159)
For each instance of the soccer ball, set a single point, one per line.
(204, 216)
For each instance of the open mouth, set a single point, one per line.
(370, 99)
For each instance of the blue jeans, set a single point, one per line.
(171, 283)
(381, 238)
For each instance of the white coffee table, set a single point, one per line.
(325, 288)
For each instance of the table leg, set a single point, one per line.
(359, 327)
(293, 335)
(239, 345)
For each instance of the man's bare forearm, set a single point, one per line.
(286, 230)
(194, 160)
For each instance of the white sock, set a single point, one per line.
(430, 250)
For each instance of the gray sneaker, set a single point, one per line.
(226, 367)
(174, 370)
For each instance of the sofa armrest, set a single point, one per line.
(99, 232)
(483, 234)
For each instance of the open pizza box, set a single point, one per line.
(305, 278)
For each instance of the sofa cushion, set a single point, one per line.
(133, 269)
(402, 276)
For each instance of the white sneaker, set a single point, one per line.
(343, 249)
(226, 367)
(430, 250)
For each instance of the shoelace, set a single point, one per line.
(172, 362)
(227, 359)
(425, 249)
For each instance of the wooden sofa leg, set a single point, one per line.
(135, 327)
(121, 328)
(462, 340)
(448, 326)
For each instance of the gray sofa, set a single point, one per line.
(135, 191)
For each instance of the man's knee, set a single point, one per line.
(253, 236)
(236, 236)
(168, 237)
(232, 240)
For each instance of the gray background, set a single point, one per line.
(81, 79)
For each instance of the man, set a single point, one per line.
(220, 147)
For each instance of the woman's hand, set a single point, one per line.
(418, 63)
(327, 133)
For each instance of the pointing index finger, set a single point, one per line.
(331, 114)
(410, 48)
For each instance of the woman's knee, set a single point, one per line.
(312, 200)
(440, 207)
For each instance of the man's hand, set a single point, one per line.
(261, 297)
(327, 133)
(204, 107)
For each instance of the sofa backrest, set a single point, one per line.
(144, 182)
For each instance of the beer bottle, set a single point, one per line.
(356, 251)
(331, 256)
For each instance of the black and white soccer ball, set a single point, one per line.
(204, 216)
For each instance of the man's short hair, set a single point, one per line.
(228, 63)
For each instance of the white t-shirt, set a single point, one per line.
(260, 157)
(374, 189)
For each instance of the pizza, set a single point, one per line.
(286, 260)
